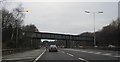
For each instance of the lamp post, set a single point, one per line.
(99, 12)
(17, 28)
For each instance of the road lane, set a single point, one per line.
(63, 55)
(59, 56)
(56, 56)
(90, 55)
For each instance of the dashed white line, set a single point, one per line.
(83, 59)
(70, 54)
(83, 51)
(67, 53)
(98, 53)
(91, 52)
(116, 56)
(63, 52)
(39, 56)
(107, 54)
(76, 50)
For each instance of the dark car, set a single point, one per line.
(53, 48)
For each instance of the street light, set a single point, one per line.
(17, 28)
(99, 12)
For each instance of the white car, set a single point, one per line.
(53, 48)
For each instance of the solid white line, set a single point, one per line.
(83, 59)
(39, 56)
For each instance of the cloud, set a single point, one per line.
(69, 17)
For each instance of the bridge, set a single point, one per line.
(56, 36)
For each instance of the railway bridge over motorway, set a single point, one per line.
(56, 36)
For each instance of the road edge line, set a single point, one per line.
(82, 59)
(39, 56)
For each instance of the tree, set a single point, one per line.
(109, 34)
(29, 42)
(11, 25)
(30, 28)
(87, 34)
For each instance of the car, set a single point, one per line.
(53, 48)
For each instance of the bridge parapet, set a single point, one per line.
(43, 35)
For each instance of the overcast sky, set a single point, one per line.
(68, 17)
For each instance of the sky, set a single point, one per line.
(68, 17)
(63, 0)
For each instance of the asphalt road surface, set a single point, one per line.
(75, 55)
(64, 55)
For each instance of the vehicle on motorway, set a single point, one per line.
(53, 48)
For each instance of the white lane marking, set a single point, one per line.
(98, 53)
(63, 52)
(91, 52)
(76, 50)
(72, 49)
(70, 54)
(116, 56)
(19, 58)
(83, 59)
(83, 51)
(107, 54)
(39, 56)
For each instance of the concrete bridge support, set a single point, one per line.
(69, 44)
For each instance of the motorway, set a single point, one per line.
(80, 55)
(74, 55)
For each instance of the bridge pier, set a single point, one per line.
(69, 44)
